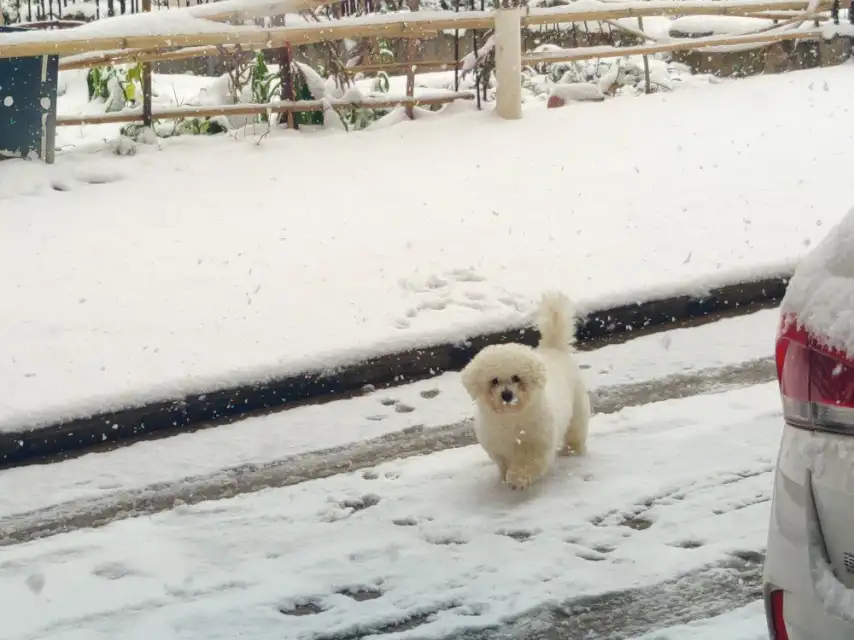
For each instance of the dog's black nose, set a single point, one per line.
(507, 395)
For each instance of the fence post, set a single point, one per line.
(412, 46)
(146, 82)
(286, 85)
(647, 88)
(508, 61)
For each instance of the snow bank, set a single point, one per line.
(577, 92)
(718, 25)
(822, 290)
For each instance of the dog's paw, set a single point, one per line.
(516, 481)
(572, 451)
(573, 448)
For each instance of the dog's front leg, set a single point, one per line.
(501, 462)
(521, 474)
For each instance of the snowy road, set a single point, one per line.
(327, 462)
(678, 609)
(318, 441)
(657, 534)
(668, 489)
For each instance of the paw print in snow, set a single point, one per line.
(456, 289)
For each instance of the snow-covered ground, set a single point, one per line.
(666, 489)
(73, 485)
(207, 261)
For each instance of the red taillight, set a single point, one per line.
(817, 383)
(788, 333)
(777, 620)
(793, 372)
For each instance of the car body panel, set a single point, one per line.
(813, 476)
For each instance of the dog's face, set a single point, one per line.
(504, 377)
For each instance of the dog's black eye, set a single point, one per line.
(494, 382)
(516, 379)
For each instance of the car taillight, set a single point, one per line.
(816, 383)
(777, 620)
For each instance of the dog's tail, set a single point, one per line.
(556, 322)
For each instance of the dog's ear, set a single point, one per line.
(470, 377)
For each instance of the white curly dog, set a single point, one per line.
(532, 403)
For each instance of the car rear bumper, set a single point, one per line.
(816, 606)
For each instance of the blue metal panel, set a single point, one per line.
(28, 89)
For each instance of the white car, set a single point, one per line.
(809, 565)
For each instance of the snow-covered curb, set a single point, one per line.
(446, 353)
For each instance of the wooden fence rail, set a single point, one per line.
(178, 113)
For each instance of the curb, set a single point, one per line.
(196, 411)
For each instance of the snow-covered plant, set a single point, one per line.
(613, 76)
(357, 119)
(386, 56)
(116, 86)
(10, 11)
(207, 126)
(264, 84)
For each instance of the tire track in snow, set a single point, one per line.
(96, 512)
(616, 615)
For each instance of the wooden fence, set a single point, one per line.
(506, 22)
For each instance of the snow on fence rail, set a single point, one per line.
(585, 53)
(178, 29)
